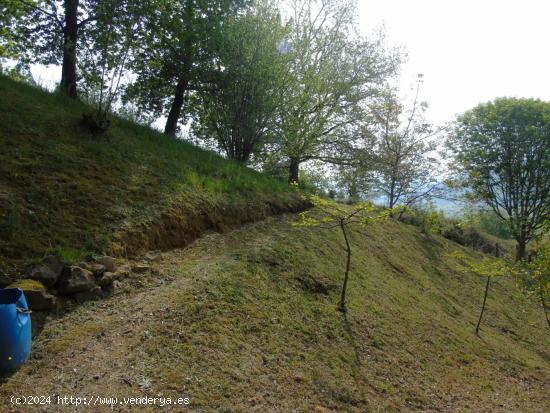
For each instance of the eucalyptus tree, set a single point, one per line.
(239, 111)
(502, 151)
(333, 72)
(49, 32)
(177, 54)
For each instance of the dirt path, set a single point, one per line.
(96, 352)
(233, 323)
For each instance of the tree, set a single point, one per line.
(404, 168)
(490, 268)
(177, 54)
(332, 72)
(108, 47)
(502, 150)
(329, 214)
(11, 11)
(539, 271)
(48, 32)
(239, 111)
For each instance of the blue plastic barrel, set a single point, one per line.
(15, 330)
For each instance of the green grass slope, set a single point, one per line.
(64, 190)
(246, 321)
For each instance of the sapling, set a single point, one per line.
(489, 267)
(539, 271)
(329, 214)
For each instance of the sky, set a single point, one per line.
(469, 51)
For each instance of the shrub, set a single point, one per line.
(96, 121)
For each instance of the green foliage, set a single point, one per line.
(329, 213)
(332, 73)
(110, 43)
(487, 266)
(397, 149)
(73, 191)
(487, 221)
(503, 148)
(11, 12)
(239, 112)
(540, 267)
(537, 279)
(428, 218)
(178, 52)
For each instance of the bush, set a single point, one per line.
(96, 121)
(426, 217)
(487, 221)
(469, 237)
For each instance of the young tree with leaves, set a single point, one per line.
(488, 267)
(502, 150)
(332, 73)
(239, 111)
(329, 214)
(403, 159)
(539, 272)
(108, 47)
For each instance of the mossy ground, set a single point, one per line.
(66, 191)
(246, 321)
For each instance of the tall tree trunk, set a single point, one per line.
(293, 170)
(342, 305)
(70, 36)
(184, 76)
(521, 249)
(175, 110)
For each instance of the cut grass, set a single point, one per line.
(63, 190)
(238, 330)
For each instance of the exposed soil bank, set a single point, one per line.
(182, 224)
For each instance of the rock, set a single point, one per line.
(48, 271)
(43, 274)
(75, 279)
(107, 279)
(98, 270)
(109, 263)
(123, 271)
(140, 268)
(94, 294)
(55, 263)
(36, 295)
(152, 256)
(85, 265)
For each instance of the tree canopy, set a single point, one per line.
(502, 149)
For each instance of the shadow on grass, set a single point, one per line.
(352, 338)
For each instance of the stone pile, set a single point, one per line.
(52, 278)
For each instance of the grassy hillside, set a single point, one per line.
(64, 190)
(246, 321)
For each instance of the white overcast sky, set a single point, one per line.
(469, 51)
